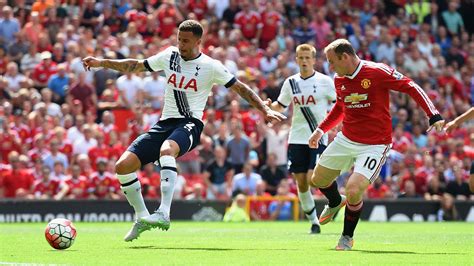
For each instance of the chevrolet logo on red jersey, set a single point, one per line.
(355, 98)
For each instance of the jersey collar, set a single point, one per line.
(199, 55)
(312, 75)
(359, 67)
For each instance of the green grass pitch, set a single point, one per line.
(258, 243)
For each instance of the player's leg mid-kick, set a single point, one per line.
(168, 153)
(126, 168)
(324, 179)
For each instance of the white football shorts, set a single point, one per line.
(343, 153)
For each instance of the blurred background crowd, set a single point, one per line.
(62, 129)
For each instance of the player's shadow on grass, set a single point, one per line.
(207, 249)
(405, 252)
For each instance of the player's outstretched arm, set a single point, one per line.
(123, 65)
(251, 97)
(275, 106)
(468, 115)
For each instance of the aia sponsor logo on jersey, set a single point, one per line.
(182, 83)
(302, 100)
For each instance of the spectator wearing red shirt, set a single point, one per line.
(100, 151)
(107, 125)
(9, 139)
(271, 22)
(84, 92)
(137, 125)
(419, 179)
(48, 187)
(122, 143)
(151, 182)
(16, 182)
(103, 184)
(198, 7)
(249, 22)
(77, 184)
(449, 81)
(65, 145)
(250, 120)
(20, 127)
(259, 208)
(378, 190)
(400, 141)
(168, 17)
(138, 17)
(39, 151)
(44, 70)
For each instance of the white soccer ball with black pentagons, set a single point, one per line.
(60, 233)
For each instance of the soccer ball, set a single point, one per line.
(60, 233)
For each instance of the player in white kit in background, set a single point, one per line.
(190, 76)
(311, 94)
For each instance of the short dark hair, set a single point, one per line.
(339, 47)
(191, 26)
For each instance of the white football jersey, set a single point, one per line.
(188, 83)
(311, 98)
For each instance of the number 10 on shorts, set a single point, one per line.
(370, 163)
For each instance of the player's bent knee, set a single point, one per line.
(323, 177)
(355, 188)
(128, 163)
(170, 148)
(354, 194)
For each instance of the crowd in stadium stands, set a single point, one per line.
(62, 129)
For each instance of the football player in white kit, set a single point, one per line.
(311, 94)
(190, 76)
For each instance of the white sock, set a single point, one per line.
(308, 206)
(132, 189)
(168, 179)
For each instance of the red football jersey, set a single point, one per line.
(8, 142)
(103, 151)
(167, 21)
(77, 187)
(23, 132)
(15, 179)
(271, 21)
(248, 23)
(377, 193)
(66, 148)
(50, 187)
(199, 8)
(42, 73)
(106, 129)
(102, 184)
(363, 102)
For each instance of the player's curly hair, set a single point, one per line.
(191, 26)
(339, 47)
